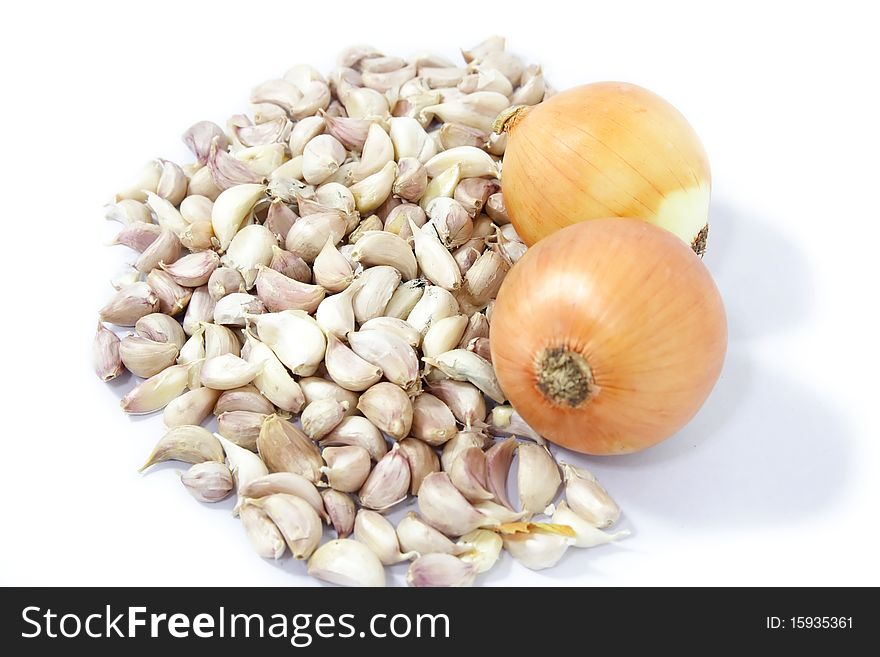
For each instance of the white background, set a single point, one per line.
(775, 481)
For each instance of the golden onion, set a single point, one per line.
(603, 150)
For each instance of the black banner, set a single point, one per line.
(398, 621)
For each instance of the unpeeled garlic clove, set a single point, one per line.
(498, 460)
(398, 220)
(486, 79)
(587, 535)
(474, 193)
(295, 518)
(220, 340)
(388, 482)
(469, 475)
(376, 286)
(364, 103)
(378, 247)
(451, 221)
(434, 260)
(484, 549)
(347, 563)
(497, 209)
(160, 328)
(273, 380)
(588, 498)
(165, 248)
(410, 139)
(463, 365)
(389, 352)
(423, 460)
(481, 347)
(231, 209)
(322, 156)
(192, 270)
(476, 110)
(315, 97)
(234, 309)
(358, 431)
(331, 269)
(389, 408)
(295, 337)
(291, 265)
(172, 183)
(310, 233)
(444, 335)
(457, 444)
(501, 513)
(192, 407)
(137, 235)
(303, 132)
(484, 278)
(378, 151)
(474, 162)
(244, 465)
(147, 181)
(173, 298)
(208, 481)
(395, 326)
(106, 358)
(335, 313)
(445, 508)
(289, 483)
(280, 219)
(484, 48)
(537, 550)
(411, 181)
(278, 92)
(415, 535)
(432, 420)
(201, 183)
(341, 511)
(405, 298)
(370, 224)
(241, 427)
(125, 277)
(348, 369)
(201, 135)
(198, 236)
(284, 448)
(454, 135)
(262, 533)
(442, 185)
(505, 62)
(320, 417)
(167, 216)
(538, 477)
(262, 134)
(504, 420)
(227, 371)
(245, 398)
(190, 444)
(224, 281)
(156, 392)
(373, 530)
(128, 211)
(249, 249)
(352, 133)
(278, 292)
(144, 357)
(347, 467)
(464, 399)
(372, 191)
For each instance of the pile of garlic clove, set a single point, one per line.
(334, 258)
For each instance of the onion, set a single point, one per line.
(631, 339)
(602, 150)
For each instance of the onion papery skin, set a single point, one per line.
(642, 311)
(602, 150)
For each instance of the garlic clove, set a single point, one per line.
(224, 281)
(314, 387)
(284, 448)
(538, 477)
(341, 511)
(434, 570)
(280, 219)
(587, 535)
(588, 498)
(348, 369)
(201, 183)
(378, 247)
(173, 298)
(331, 269)
(241, 427)
(474, 193)
(388, 482)
(262, 533)
(450, 220)
(146, 182)
(347, 467)
(167, 216)
(285, 482)
(232, 208)
(137, 235)
(358, 431)
(415, 535)
(376, 287)
(227, 371)
(156, 392)
(423, 460)
(371, 224)
(320, 417)
(227, 170)
(128, 211)
(504, 420)
(347, 563)
(432, 421)
(144, 357)
(457, 444)
(404, 299)
(435, 261)
(388, 352)
(463, 365)
(474, 162)
(469, 475)
(464, 399)
(498, 460)
(446, 509)
(484, 48)
(201, 135)
(106, 358)
(411, 180)
(335, 314)
(249, 249)
(190, 444)
(303, 132)
(295, 338)
(502, 514)
(484, 549)
(192, 407)
(536, 550)
(322, 156)
(310, 233)
(373, 530)
(497, 209)
(389, 408)
(244, 465)
(194, 269)
(444, 335)
(278, 292)
(398, 219)
(220, 340)
(208, 481)
(160, 328)
(378, 151)
(130, 304)
(295, 518)
(290, 265)
(273, 380)
(372, 191)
